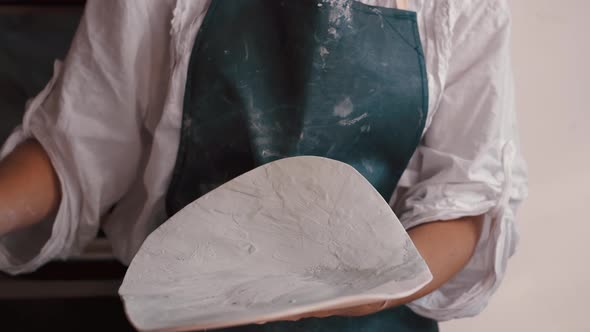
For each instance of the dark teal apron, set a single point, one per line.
(270, 79)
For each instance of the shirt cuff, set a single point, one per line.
(26, 250)
(468, 293)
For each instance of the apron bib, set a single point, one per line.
(270, 79)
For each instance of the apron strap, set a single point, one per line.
(402, 4)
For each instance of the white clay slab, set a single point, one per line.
(293, 236)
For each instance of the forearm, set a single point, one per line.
(446, 246)
(29, 187)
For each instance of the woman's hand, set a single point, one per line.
(361, 310)
(446, 246)
(29, 187)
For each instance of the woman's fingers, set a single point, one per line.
(362, 310)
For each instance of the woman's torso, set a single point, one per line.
(131, 220)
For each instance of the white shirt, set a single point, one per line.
(110, 121)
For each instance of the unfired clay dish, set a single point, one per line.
(296, 235)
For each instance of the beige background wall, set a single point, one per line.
(548, 285)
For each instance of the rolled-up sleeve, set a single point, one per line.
(89, 119)
(469, 162)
